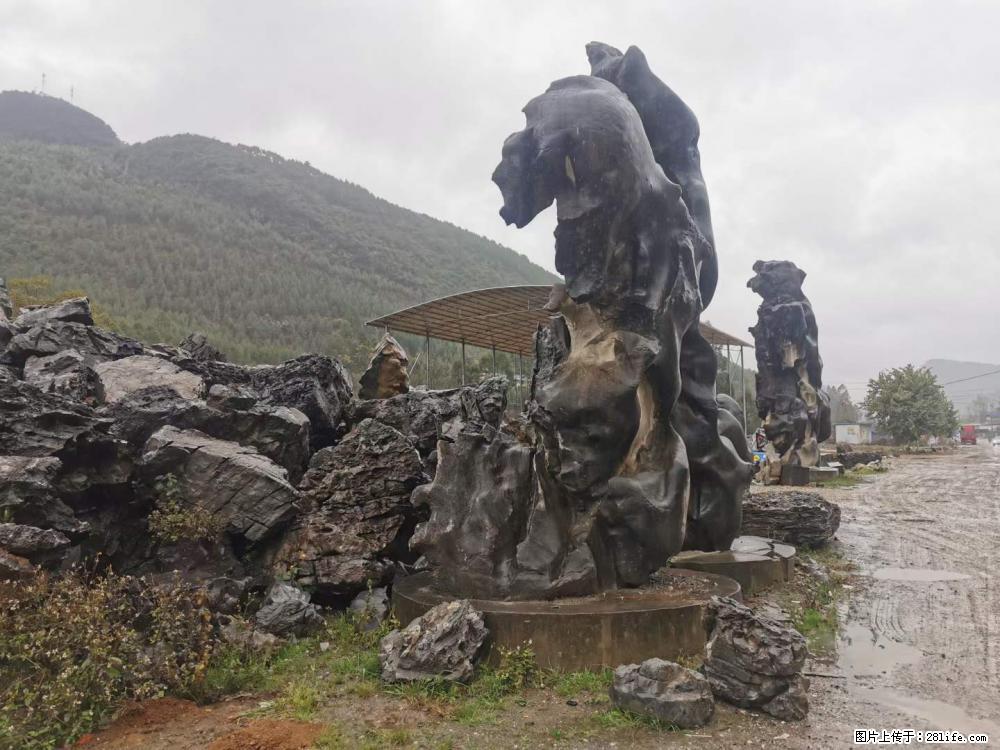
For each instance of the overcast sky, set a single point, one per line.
(860, 140)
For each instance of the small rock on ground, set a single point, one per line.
(663, 690)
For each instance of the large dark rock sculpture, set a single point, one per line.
(619, 462)
(790, 400)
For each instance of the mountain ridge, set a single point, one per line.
(266, 255)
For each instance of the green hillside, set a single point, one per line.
(268, 257)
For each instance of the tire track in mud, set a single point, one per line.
(934, 633)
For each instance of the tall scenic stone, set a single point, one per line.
(790, 400)
(618, 462)
(386, 375)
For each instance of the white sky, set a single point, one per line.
(859, 139)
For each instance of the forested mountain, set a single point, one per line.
(268, 257)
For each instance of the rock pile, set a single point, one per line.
(293, 477)
(755, 662)
(796, 517)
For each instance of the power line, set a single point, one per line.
(974, 377)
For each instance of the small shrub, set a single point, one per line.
(74, 647)
(172, 519)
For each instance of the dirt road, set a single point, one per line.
(921, 639)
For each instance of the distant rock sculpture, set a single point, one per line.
(755, 662)
(443, 643)
(790, 400)
(799, 518)
(620, 462)
(665, 691)
(386, 375)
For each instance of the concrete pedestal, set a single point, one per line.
(665, 619)
(755, 562)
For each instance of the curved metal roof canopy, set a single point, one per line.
(504, 318)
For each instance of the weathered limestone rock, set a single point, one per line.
(423, 416)
(851, 458)
(386, 375)
(370, 609)
(30, 540)
(790, 399)
(124, 376)
(317, 386)
(799, 518)
(443, 643)
(76, 310)
(44, 424)
(663, 690)
(67, 374)
(232, 397)
(754, 662)
(6, 305)
(276, 432)
(14, 567)
(248, 493)
(198, 347)
(286, 611)
(239, 632)
(356, 512)
(28, 494)
(45, 339)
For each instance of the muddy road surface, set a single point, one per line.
(920, 640)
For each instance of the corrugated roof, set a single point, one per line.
(503, 317)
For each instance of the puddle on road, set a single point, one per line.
(863, 652)
(937, 714)
(919, 575)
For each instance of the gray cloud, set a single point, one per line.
(857, 139)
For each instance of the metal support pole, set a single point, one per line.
(743, 390)
(729, 370)
(427, 361)
(494, 360)
(520, 378)
(463, 361)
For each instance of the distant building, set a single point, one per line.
(855, 433)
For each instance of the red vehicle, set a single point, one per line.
(968, 434)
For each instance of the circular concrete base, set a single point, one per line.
(755, 562)
(665, 619)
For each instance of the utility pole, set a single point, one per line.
(71, 94)
(43, 83)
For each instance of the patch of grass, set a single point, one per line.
(615, 718)
(332, 738)
(572, 684)
(814, 608)
(380, 739)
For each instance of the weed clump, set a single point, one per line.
(74, 647)
(173, 520)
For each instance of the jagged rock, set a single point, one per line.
(232, 397)
(28, 494)
(386, 375)
(851, 458)
(754, 662)
(370, 609)
(276, 432)
(67, 374)
(30, 540)
(14, 567)
(356, 512)
(286, 611)
(124, 376)
(45, 424)
(197, 346)
(443, 643)
(6, 305)
(317, 386)
(239, 632)
(95, 344)
(225, 594)
(75, 310)
(797, 517)
(248, 493)
(423, 415)
(663, 690)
